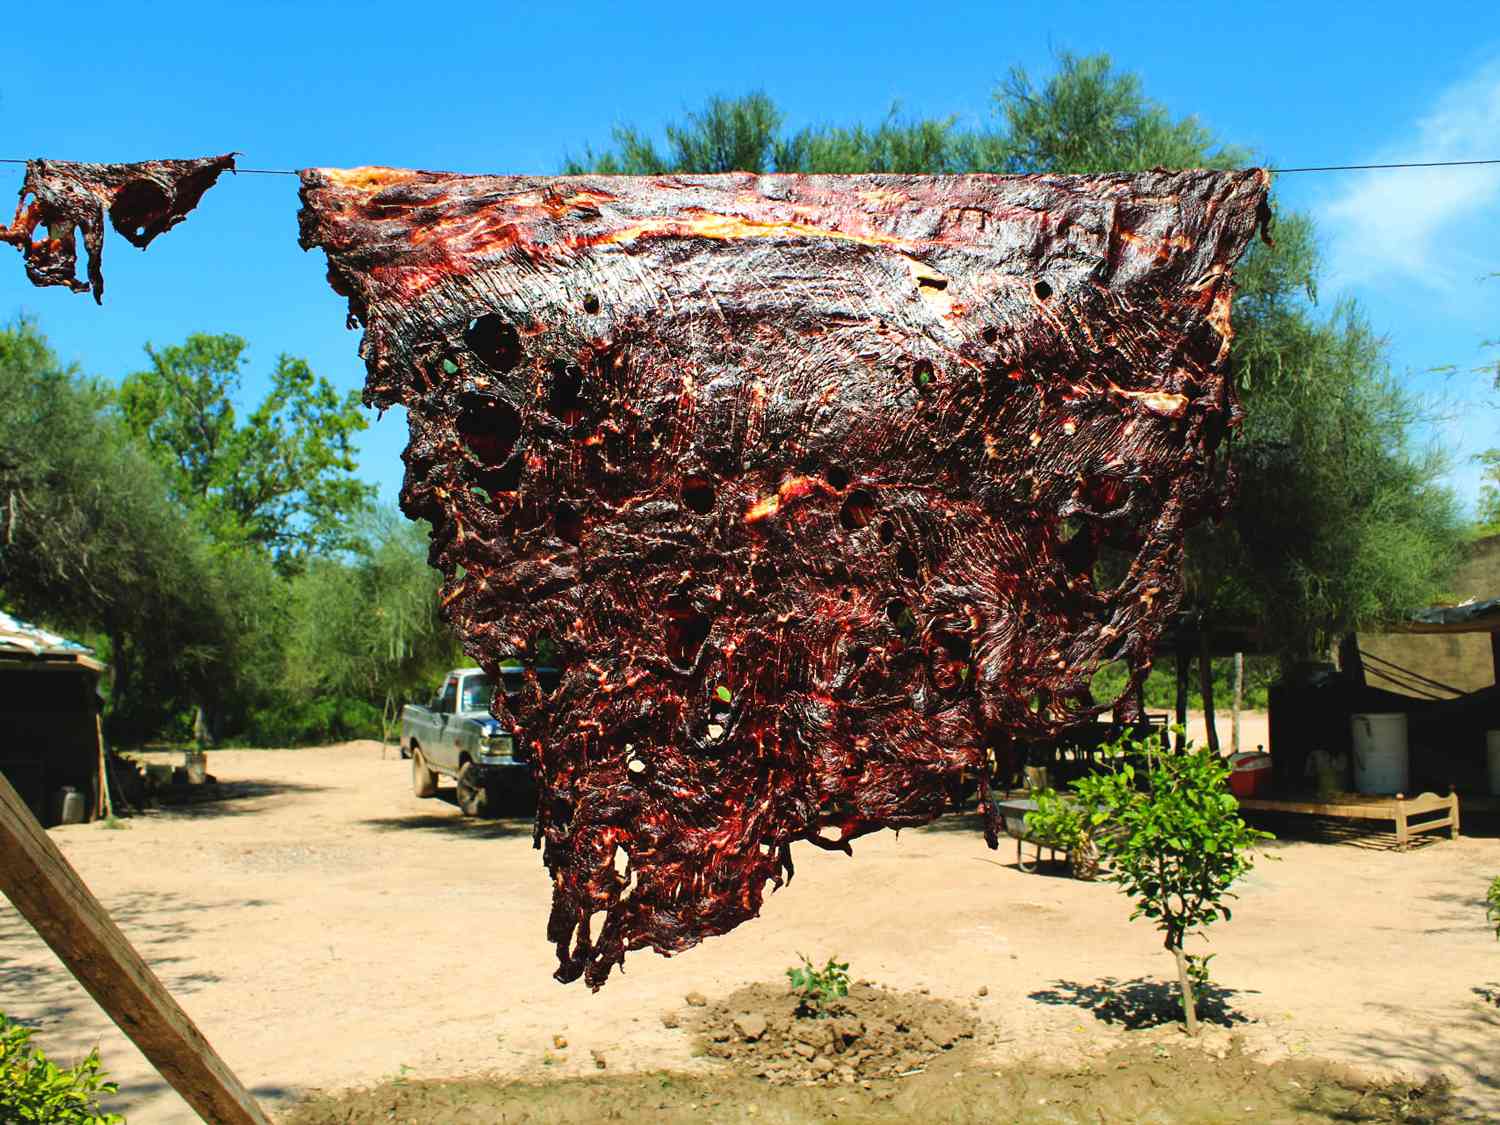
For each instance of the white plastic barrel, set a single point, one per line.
(1492, 742)
(1380, 757)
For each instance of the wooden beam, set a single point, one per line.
(50, 895)
(1206, 689)
(1182, 696)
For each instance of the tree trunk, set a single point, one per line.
(1182, 698)
(1189, 1004)
(1206, 686)
(1239, 699)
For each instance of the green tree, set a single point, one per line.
(1175, 845)
(90, 537)
(281, 480)
(367, 625)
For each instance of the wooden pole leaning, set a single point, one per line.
(51, 896)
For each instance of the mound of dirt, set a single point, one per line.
(871, 1033)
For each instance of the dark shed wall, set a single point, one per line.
(47, 732)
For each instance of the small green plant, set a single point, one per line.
(36, 1091)
(1056, 822)
(1197, 971)
(817, 989)
(1175, 844)
(1492, 906)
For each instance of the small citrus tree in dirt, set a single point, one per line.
(1172, 838)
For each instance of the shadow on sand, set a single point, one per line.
(1141, 1003)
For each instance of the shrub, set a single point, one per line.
(819, 988)
(1492, 906)
(1175, 847)
(36, 1091)
(307, 722)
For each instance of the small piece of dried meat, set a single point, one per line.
(143, 200)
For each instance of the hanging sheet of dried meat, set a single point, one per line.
(143, 200)
(808, 484)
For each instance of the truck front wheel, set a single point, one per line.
(473, 797)
(423, 780)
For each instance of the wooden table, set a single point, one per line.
(1370, 806)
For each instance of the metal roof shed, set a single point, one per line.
(49, 712)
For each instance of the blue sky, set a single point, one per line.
(504, 88)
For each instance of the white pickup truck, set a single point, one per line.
(455, 735)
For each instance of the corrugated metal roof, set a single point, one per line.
(22, 636)
(1471, 616)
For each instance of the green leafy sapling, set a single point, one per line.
(36, 1091)
(1492, 906)
(1175, 845)
(816, 988)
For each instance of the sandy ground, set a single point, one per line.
(327, 929)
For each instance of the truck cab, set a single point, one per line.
(456, 736)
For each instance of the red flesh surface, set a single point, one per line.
(781, 467)
(143, 200)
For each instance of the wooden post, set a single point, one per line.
(1403, 838)
(1206, 685)
(106, 807)
(1239, 699)
(50, 895)
(1182, 695)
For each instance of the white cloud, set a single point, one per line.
(1436, 226)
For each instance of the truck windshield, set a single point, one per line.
(477, 692)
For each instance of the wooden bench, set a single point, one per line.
(1368, 806)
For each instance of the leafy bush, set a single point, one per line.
(36, 1091)
(1057, 822)
(1492, 906)
(306, 722)
(1175, 847)
(819, 988)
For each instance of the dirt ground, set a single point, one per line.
(328, 930)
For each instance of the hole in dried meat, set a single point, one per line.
(569, 523)
(989, 334)
(906, 562)
(887, 531)
(506, 479)
(1043, 290)
(858, 510)
(546, 654)
(921, 374)
(901, 617)
(562, 395)
(136, 206)
(698, 494)
(490, 431)
(857, 657)
(837, 477)
(1111, 566)
(845, 595)
(494, 342)
(622, 861)
(590, 303)
(931, 281)
(687, 629)
(763, 576)
(955, 645)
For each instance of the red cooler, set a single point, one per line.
(1251, 776)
